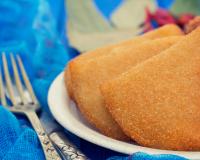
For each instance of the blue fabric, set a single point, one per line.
(144, 156)
(38, 35)
(34, 35)
(17, 141)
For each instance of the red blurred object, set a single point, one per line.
(185, 18)
(161, 17)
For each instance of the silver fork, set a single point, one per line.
(21, 104)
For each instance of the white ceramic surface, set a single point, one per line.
(67, 114)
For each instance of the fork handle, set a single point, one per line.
(48, 148)
(69, 151)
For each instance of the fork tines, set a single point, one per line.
(10, 84)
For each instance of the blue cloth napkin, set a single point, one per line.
(144, 156)
(17, 141)
(35, 29)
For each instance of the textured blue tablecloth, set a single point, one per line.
(40, 38)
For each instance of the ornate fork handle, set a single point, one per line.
(67, 149)
(48, 148)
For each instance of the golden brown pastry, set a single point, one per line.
(165, 31)
(192, 25)
(157, 102)
(88, 76)
(68, 82)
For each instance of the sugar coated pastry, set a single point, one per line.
(88, 76)
(157, 103)
(165, 31)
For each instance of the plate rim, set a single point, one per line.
(103, 143)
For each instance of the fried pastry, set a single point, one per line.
(157, 103)
(88, 76)
(68, 82)
(193, 24)
(165, 31)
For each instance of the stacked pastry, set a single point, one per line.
(144, 89)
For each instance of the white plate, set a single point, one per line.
(67, 114)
